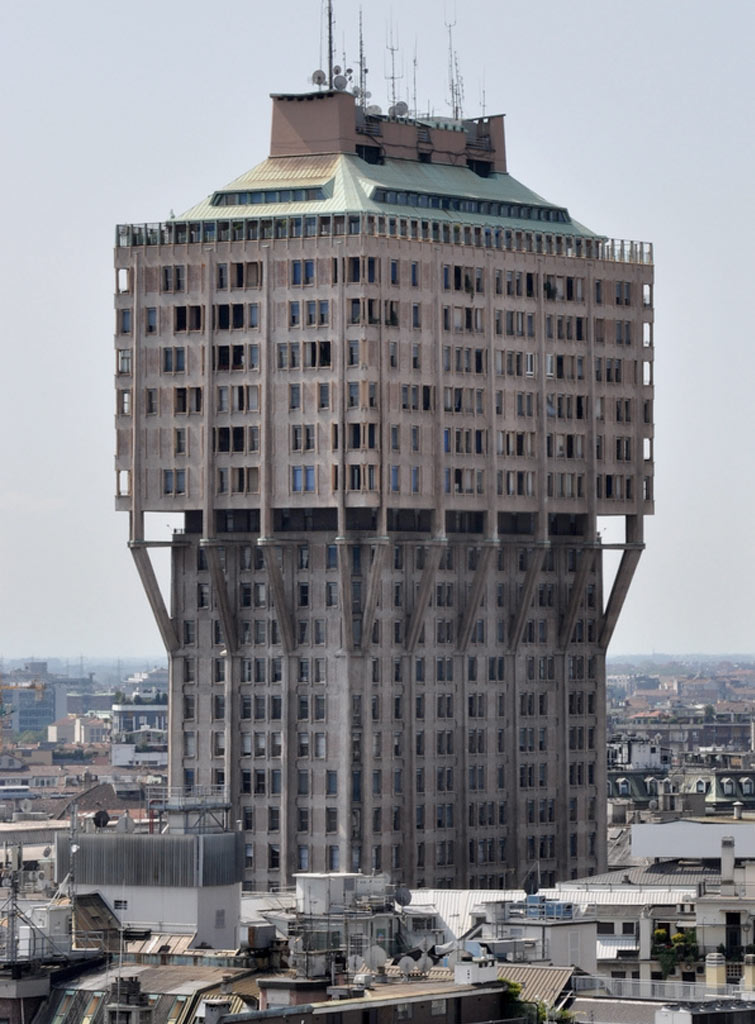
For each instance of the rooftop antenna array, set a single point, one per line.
(336, 78)
(455, 83)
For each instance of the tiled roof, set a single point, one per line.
(163, 979)
(663, 874)
(539, 984)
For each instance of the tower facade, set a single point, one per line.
(390, 390)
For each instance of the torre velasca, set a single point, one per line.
(385, 392)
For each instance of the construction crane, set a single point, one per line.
(35, 685)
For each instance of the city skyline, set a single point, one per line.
(95, 138)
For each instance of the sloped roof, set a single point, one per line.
(94, 917)
(544, 984)
(539, 984)
(349, 182)
(162, 979)
(664, 874)
(455, 906)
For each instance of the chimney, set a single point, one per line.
(737, 807)
(215, 1009)
(715, 973)
(727, 866)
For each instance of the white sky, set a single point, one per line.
(636, 115)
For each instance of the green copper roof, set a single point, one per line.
(344, 183)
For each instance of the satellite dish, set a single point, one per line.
(336, 69)
(340, 82)
(319, 78)
(375, 957)
(406, 964)
(374, 109)
(424, 964)
(356, 91)
(403, 896)
(354, 962)
(101, 818)
(391, 111)
(402, 109)
(47, 851)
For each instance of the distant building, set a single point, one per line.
(34, 697)
(88, 729)
(63, 730)
(140, 734)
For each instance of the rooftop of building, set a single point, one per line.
(330, 159)
(456, 907)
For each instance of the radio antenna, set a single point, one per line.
(414, 81)
(455, 84)
(363, 94)
(392, 48)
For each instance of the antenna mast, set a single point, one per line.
(330, 44)
(363, 97)
(455, 86)
(414, 81)
(392, 48)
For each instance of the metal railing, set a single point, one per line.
(636, 988)
(536, 237)
(179, 798)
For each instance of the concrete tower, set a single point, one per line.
(390, 390)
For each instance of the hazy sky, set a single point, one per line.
(637, 116)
